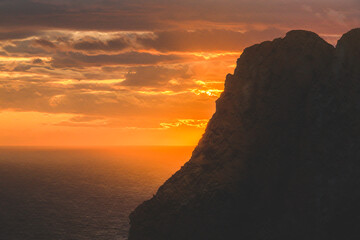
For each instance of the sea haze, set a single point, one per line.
(77, 194)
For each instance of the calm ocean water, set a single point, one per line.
(79, 194)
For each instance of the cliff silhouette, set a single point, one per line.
(280, 158)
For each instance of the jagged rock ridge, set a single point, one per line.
(280, 158)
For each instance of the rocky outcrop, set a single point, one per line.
(280, 158)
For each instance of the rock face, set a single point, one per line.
(280, 158)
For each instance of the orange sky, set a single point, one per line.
(134, 72)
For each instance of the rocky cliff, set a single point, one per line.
(280, 158)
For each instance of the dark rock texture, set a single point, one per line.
(280, 158)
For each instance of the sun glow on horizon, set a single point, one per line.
(121, 73)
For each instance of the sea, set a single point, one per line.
(79, 193)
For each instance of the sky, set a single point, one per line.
(134, 72)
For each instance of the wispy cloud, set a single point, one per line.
(198, 123)
(140, 64)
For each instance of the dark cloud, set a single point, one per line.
(156, 76)
(44, 43)
(16, 35)
(76, 59)
(95, 45)
(29, 8)
(85, 15)
(38, 61)
(206, 40)
(22, 68)
(24, 47)
(110, 15)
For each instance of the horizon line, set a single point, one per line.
(89, 146)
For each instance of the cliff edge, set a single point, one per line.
(280, 158)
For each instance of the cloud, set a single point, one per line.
(24, 47)
(38, 61)
(198, 123)
(16, 35)
(84, 121)
(140, 64)
(85, 15)
(76, 59)
(206, 40)
(22, 68)
(44, 43)
(141, 15)
(95, 45)
(56, 98)
(156, 76)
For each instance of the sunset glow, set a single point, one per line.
(133, 72)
